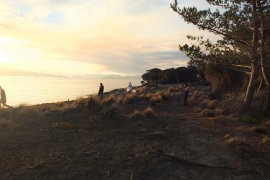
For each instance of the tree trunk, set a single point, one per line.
(254, 60)
(253, 82)
(260, 85)
(265, 71)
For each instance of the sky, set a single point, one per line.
(84, 37)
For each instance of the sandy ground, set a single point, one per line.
(179, 143)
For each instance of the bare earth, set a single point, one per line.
(179, 143)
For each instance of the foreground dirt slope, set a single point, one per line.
(178, 143)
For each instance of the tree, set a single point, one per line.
(241, 25)
(152, 76)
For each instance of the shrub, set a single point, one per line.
(225, 78)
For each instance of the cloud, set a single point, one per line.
(120, 36)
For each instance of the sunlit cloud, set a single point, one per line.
(91, 37)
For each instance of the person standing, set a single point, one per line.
(186, 91)
(3, 97)
(101, 91)
(129, 89)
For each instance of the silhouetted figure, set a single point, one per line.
(3, 97)
(100, 91)
(186, 91)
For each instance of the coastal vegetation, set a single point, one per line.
(243, 28)
(148, 133)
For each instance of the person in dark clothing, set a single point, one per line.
(100, 91)
(186, 91)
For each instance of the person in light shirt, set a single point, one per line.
(129, 89)
(3, 97)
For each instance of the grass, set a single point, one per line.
(4, 123)
(266, 140)
(254, 117)
(208, 113)
(109, 100)
(131, 98)
(156, 99)
(147, 113)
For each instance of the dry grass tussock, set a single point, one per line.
(193, 96)
(148, 96)
(109, 100)
(119, 100)
(92, 103)
(65, 125)
(212, 104)
(239, 143)
(172, 89)
(208, 113)
(4, 123)
(141, 89)
(131, 98)
(266, 140)
(148, 113)
(156, 99)
(26, 112)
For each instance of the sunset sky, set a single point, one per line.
(80, 37)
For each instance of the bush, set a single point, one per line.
(225, 78)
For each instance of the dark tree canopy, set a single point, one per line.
(179, 75)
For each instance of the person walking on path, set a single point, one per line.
(3, 97)
(186, 91)
(100, 91)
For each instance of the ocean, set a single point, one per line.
(37, 90)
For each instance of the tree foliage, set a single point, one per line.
(157, 76)
(244, 27)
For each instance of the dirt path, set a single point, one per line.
(176, 144)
